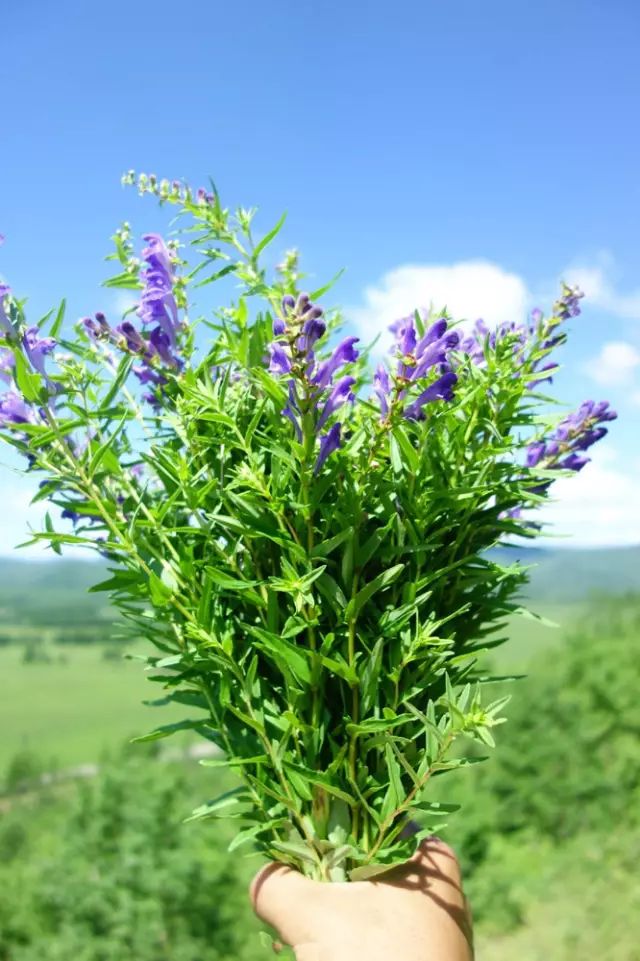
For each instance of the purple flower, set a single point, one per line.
(434, 352)
(96, 329)
(37, 348)
(147, 375)
(280, 361)
(328, 443)
(551, 366)
(535, 453)
(440, 389)
(382, 387)
(435, 332)
(7, 363)
(340, 394)
(345, 353)
(6, 326)
(312, 330)
(14, 410)
(159, 342)
(573, 462)
(134, 340)
(157, 254)
(279, 326)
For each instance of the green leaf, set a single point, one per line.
(105, 454)
(249, 834)
(127, 280)
(228, 582)
(48, 523)
(260, 246)
(282, 651)
(316, 777)
(29, 384)
(321, 291)
(373, 724)
(234, 761)
(158, 590)
(167, 729)
(326, 547)
(57, 324)
(238, 796)
(379, 583)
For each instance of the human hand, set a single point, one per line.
(416, 912)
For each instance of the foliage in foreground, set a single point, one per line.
(306, 544)
(107, 871)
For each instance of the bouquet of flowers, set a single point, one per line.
(306, 543)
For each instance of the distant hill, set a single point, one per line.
(574, 574)
(51, 592)
(55, 591)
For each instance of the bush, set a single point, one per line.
(114, 875)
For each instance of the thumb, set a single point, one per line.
(285, 899)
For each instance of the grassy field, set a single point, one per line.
(72, 707)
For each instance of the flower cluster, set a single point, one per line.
(521, 335)
(157, 309)
(165, 189)
(314, 396)
(418, 358)
(564, 448)
(14, 409)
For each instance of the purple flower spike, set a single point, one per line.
(345, 353)
(6, 327)
(569, 303)
(14, 410)
(280, 360)
(329, 442)
(340, 394)
(382, 388)
(7, 363)
(441, 389)
(37, 348)
(157, 303)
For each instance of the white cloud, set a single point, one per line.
(599, 507)
(20, 517)
(635, 398)
(124, 300)
(598, 281)
(469, 289)
(615, 364)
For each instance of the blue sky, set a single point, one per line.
(465, 152)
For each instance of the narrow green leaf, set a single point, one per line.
(260, 246)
